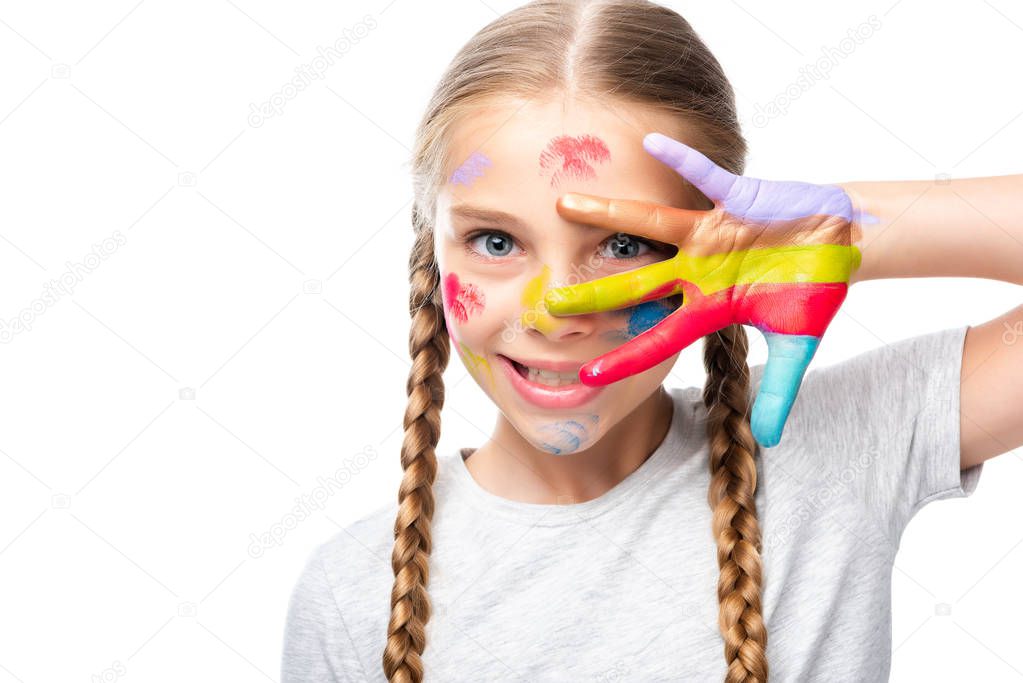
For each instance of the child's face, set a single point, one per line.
(494, 271)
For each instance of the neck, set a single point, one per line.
(510, 467)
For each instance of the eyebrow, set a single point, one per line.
(479, 213)
(494, 216)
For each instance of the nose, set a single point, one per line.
(536, 317)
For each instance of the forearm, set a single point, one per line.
(970, 227)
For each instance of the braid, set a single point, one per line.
(732, 486)
(429, 348)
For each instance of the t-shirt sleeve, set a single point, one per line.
(317, 646)
(885, 426)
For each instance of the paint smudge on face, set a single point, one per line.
(473, 362)
(566, 436)
(451, 307)
(568, 156)
(471, 169)
(463, 299)
(642, 317)
(536, 315)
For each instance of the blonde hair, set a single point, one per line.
(619, 52)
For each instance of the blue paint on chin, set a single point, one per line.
(565, 436)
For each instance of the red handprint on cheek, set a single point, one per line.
(463, 299)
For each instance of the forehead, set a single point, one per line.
(522, 155)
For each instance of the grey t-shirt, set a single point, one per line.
(624, 586)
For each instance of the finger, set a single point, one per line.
(788, 356)
(677, 331)
(632, 287)
(659, 222)
(709, 178)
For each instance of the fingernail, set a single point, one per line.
(578, 203)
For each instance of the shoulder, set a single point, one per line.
(360, 549)
(360, 552)
(877, 393)
(347, 554)
(338, 605)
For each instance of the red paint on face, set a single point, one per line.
(569, 156)
(463, 299)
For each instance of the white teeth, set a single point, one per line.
(553, 379)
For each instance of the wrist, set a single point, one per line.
(862, 219)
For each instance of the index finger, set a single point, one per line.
(657, 221)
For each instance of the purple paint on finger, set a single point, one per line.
(471, 169)
(745, 197)
(708, 177)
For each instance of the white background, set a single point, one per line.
(248, 338)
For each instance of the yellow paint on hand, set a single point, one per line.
(711, 273)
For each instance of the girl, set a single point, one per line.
(577, 542)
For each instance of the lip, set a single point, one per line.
(543, 396)
(548, 364)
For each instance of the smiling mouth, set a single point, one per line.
(556, 386)
(550, 378)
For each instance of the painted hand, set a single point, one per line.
(775, 255)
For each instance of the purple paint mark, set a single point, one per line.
(471, 169)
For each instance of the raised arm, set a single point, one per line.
(971, 227)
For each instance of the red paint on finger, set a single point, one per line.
(792, 308)
(463, 300)
(568, 156)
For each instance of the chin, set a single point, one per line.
(565, 434)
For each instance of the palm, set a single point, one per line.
(775, 255)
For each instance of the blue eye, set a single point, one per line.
(495, 244)
(626, 246)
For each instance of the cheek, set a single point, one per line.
(635, 320)
(477, 310)
(464, 303)
(462, 300)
